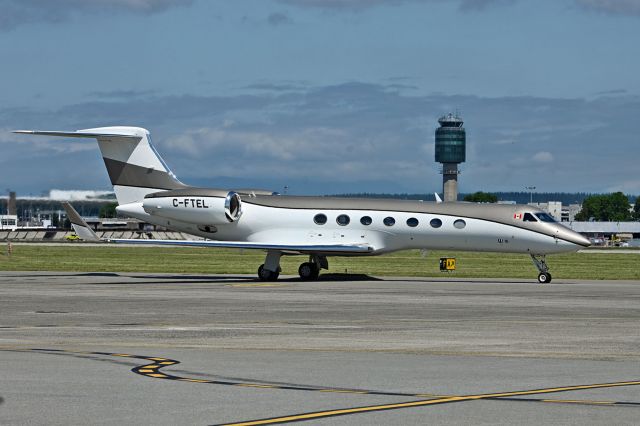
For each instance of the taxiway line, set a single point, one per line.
(152, 370)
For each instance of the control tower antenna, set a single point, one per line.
(451, 143)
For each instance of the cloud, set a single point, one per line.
(359, 5)
(19, 12)
(122, 94)
(543, 157)
(277, 86)
(350, 137)
(277, 19)
(613, 7)
(478, 5)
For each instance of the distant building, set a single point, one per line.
(8, 222)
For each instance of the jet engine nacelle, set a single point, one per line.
(200, 210)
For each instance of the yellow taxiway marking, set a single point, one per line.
(151, 370)
(258, 285)
(421, 403)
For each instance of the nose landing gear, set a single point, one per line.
(540, 263)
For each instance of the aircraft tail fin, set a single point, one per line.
(82, 229)
(134, 166)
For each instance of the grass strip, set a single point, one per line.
(411, 263)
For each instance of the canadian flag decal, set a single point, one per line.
(517, 216)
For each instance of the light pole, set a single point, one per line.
(530, 189)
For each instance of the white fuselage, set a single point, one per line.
(296, 226)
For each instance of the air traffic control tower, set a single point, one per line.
(451, 148)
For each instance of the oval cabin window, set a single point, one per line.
(320, 219)
(412, 222)
(343, 220)
(435, 223)
(459, 223)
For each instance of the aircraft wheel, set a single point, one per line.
(267, 275)
(544, 278)
(308, 271)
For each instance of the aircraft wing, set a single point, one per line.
(300, 248)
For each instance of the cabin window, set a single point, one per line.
(412, 222)
(528, 217)
(320, 219)
(366, 220)
(343, 220)
(389, 221)
(435, 223)
(545, 217)
(459, 224)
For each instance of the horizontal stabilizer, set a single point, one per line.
(82, 229)
(299, 248)
(76, 134)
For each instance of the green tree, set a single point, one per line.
(481, 197)
(108, 210)
(636, 209)
(605, 208)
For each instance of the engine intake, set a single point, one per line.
(233, 206)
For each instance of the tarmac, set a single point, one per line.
(165, 349)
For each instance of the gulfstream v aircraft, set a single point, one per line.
(318, 227)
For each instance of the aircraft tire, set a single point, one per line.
(267, 275)
(308, 271)
(544, 278)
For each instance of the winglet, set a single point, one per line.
(83, 230)
(438, 199)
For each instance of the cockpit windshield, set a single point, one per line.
(528, 217)
(545, 217)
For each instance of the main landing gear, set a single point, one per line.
(270, 269)
(544, 276)
(308, 271)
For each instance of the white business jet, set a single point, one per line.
(318, 227)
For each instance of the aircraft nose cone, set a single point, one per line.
(574, 237)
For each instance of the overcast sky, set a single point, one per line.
(326, 96)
